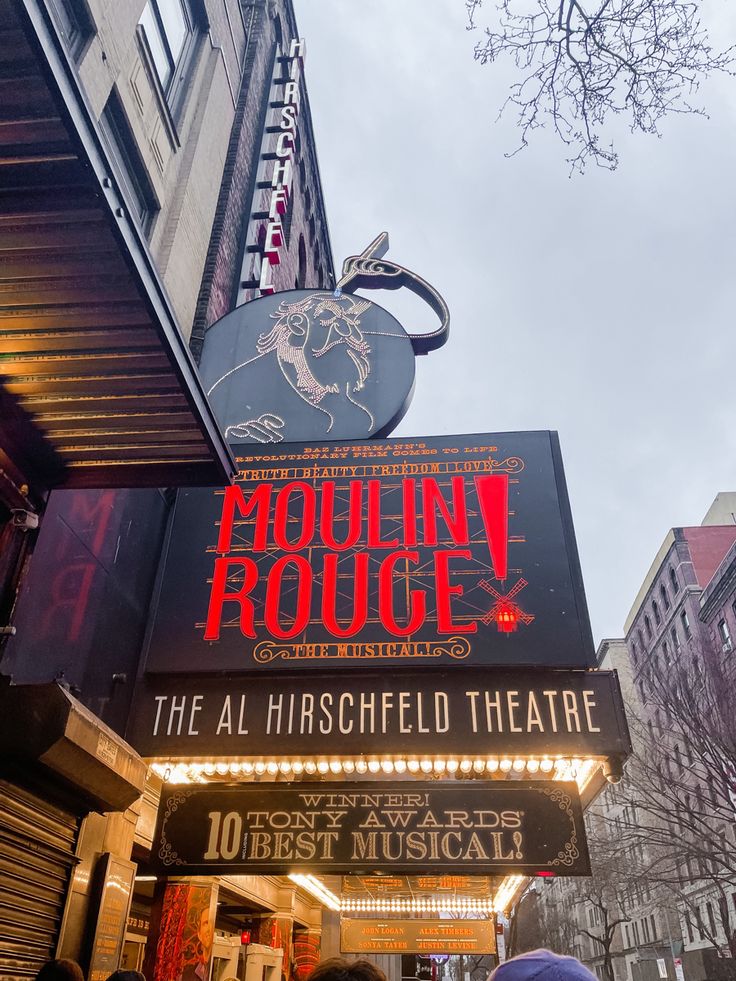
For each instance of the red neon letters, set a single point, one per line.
(344, 563)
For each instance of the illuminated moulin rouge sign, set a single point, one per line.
(294, 518)
(445, 550)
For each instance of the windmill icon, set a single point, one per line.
(505, 612)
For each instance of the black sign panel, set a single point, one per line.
(454, 550)
(526, 713)
(489, 828)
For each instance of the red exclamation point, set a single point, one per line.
(493, 497)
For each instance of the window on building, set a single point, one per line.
(685, 621)
(655, 611)
(673, 582)
(628, 935)
(689, 925)
(653, 922)
(725, 635)
(648, 626)
(664, 596)
(636, 933)
(665, 652)
(678, 758)
(634, 653)
(711, 919)
(674, 638)
(168, 30)
(301, 277)
(640, 638)
(74, 23)
(723, 910)
(132, 170)
(645, 930)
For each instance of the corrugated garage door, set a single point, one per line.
(37, 842)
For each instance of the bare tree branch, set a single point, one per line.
(582, 62)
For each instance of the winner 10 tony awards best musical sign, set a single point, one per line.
(487, 828)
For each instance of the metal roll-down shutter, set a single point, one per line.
(37, 843)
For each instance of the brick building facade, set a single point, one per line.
(669, 887)
(142, 226)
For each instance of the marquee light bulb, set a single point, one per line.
(546, 765)
(439, 766)
(479, 766)
(532, 766)
(361, 766)
(335, 766)
(413, 766)
(466, 766)
(272, 768)
(519, 766)
(248, 768)
(221, 769)
(387, 766)
(209, 769)
(505, 765)
(348, 766)
(285, 766)
(492, 765)
(297, 766)
(311, 767)
(426, 766)
(452, 766)
(374, 766)
(260, 768)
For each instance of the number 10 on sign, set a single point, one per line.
(225, 836)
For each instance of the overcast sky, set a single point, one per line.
(600, 306)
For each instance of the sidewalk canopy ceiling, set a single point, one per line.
(97, 385)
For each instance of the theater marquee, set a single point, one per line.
(484, 828)
(571, 713)
(453, 550)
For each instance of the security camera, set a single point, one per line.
(613, 771)
(25, 520)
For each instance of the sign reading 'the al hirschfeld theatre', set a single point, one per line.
(469, 712)
(484, 828)
(434, 551)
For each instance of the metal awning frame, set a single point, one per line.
(84, 131)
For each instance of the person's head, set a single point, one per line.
(339, 969)
(127, 976)
(60, 970)
(542, 965)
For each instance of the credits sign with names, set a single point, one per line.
(392, 936)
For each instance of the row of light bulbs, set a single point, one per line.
(429, 904)
(501, 902)
(198, 772)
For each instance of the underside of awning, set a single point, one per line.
(97, 385)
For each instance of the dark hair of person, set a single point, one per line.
(127, 976)
(60, 970)
(340, 969)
